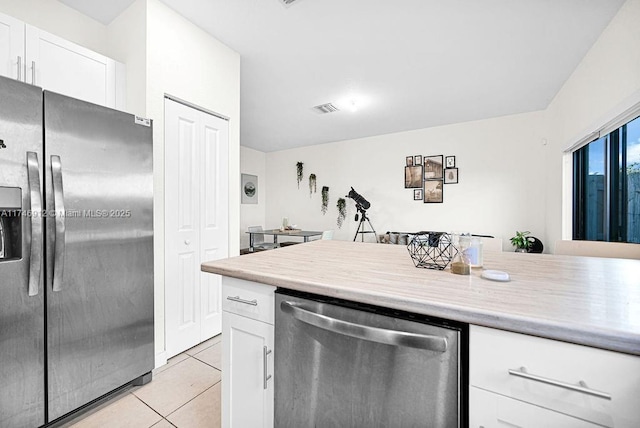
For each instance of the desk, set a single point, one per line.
(305, 234)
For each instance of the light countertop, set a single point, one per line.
(584, 300)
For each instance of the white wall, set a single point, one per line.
(61, 20)
(126, 39)
(512, 169)
(606, 81)
(186, 62)
(252, 162)
(500, 190)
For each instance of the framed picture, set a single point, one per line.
(412, 177)
(409, 160)
(451, 176)
(450, 161)
(249, 189)
(433, 167)
(417, 194)
(432, 191)
(417, 160)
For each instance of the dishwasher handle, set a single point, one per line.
(358, 331)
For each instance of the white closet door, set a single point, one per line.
(214, 215)
(11, 47)
(64, 67)
(196, 223)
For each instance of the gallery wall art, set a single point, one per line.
(427, 175)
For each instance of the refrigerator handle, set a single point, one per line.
(58, 202)
(35, 259)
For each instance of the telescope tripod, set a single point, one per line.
(361, 225)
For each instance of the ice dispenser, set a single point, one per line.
(10, 223)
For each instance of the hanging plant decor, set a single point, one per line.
(342, 211)
(299, 168)
(325, 199)
(312, 184)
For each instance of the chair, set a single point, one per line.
(258, 239)
(619, 250)
(327, 234)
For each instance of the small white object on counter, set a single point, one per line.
(495, 275)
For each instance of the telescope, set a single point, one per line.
(361, 203)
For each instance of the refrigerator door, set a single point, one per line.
(21, 292)
(98, 168)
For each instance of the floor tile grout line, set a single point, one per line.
(184, 404)
(154, 410)
(193, 398)
(169, 422)
(210, 365)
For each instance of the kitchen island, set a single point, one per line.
(592, 302)
(584, 300)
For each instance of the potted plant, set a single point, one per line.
(325, 199)
(312, 184)
(521, 241)
(299, 172)
(342, 211)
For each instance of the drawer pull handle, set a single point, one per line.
(253, 302)
(581, 387)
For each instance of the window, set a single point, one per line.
(606, 187)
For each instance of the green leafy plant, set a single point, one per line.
(342, 211)
(325, 199)
(522, 240)
(299, 172)
(312, 184)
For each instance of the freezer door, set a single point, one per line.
(98, 164)
(21, 296)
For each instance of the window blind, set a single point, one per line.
(615, 123)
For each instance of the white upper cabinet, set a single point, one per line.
(64, 67)
(11, 47)
(43, 59)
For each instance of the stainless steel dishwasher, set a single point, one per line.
(342, 364)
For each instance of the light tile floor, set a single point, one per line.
(184, 393)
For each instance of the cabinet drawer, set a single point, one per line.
(490, 410)
(558, 368)
(249, 299)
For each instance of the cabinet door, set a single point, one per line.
(490, 410)
(69, 69)
(11, 47)
(247, 389)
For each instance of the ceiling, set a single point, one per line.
(406, 64)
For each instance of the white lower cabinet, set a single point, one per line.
(489, 410)
(521, 380)
(247, 354)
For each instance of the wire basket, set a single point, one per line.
(431, 250)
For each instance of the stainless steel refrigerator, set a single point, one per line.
(76, 253)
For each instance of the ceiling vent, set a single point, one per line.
(325, 108)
